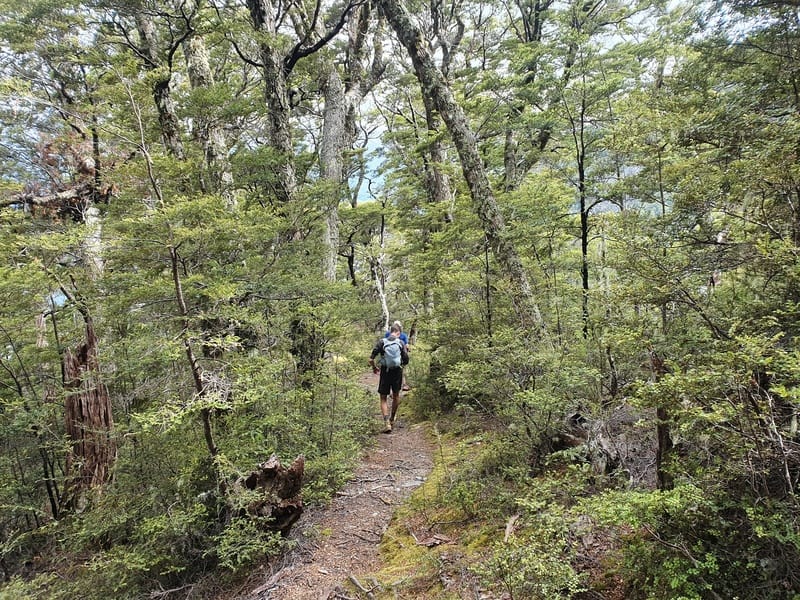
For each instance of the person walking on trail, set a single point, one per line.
(403, 338)
(393, 356)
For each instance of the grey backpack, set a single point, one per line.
(392, 353)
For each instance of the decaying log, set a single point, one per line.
(279, 492)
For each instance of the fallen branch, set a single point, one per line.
(361, 588)
(510, 527)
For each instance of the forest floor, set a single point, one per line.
(337, 545)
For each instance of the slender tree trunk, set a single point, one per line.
(584, 248)
(510, 161)
(194, 365)
(92, 244)
(351, 263)
(330, 157)
(376, 266)
(663, 437)
(434, 85)
(663, 433)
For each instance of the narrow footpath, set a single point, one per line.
(337, 545)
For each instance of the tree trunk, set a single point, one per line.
(191, 357)
(162, 94)
(510, 176)
(276, 95)
(437, 182)
(89, 422)
(434, 85)
(208, 131)
(584, 247)
(342, 99)
(330, 158)
(663, 436)
(277, 489)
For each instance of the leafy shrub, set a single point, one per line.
(243, 542)
(532, 567)
(685, 543)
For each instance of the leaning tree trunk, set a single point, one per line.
(434, 85)
(89, 422)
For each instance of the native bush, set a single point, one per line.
(691, 543)
(534, 560)
(243, 542)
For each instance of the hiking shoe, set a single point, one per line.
(387, 426)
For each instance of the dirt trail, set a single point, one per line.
(339, 543)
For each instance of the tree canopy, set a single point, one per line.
(589, 212)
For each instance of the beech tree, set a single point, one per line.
(434, 85)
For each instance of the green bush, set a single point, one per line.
(243, 542)
(685, 543)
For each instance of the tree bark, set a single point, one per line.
(435, 86)
(162, 92)
(89, 422)
(278, 492)
(663, 436)
(191, 357)
(208, 130)
(343, 95)
(330, 157)
(437, 181)
(276, 96)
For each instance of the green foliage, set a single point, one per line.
(685, 542)
(536, 557)
(531, 566)
(243, 543)
(220, 342)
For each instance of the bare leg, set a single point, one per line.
(387, 424)
(395, 404)
(385, 406)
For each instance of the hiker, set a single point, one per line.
(403, 338)
(393, 356)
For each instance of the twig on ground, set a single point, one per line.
(366, 539)
(357, 583)
(416, 540)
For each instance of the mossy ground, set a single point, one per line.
(432, 543)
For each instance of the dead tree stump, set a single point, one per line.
(279, 493)
(89, 422)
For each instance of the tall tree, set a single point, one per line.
(277, 59)
(344, 93)
(209, 127)
(434, 84)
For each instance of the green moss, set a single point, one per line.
(411, 567)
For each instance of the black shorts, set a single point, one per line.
(390, 381)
